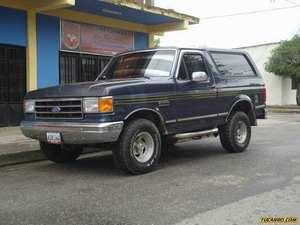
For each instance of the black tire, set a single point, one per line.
(230, 137)
(61, 154)
(126, 153)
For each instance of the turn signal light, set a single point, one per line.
(106, 104)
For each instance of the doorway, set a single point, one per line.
(12, 84)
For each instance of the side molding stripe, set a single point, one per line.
(135, 99)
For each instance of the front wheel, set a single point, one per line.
(60, 154)
(235, 135)
(139, 147)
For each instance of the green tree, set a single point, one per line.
(156, 42)
(285, 61)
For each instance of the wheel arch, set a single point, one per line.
(149, 114)
(244, 103)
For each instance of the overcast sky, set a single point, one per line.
(233, 31)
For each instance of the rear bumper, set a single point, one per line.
(74, 133)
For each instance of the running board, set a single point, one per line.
(197, 135)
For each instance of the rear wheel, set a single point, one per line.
(61, 154)
(139, 147)
(235, 135)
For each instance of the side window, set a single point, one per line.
(190, 63)
(194, 63)
(232, 64)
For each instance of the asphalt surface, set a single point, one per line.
(198, 184)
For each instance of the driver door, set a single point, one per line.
(196, 99)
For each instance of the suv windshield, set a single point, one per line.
(141, 64)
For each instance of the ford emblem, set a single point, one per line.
(56, 109)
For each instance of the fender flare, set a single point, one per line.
(156, 112)
(244, 98)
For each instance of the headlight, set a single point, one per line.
(29, 106)
(90, 105)
(98, 105)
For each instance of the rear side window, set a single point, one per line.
(232, 64)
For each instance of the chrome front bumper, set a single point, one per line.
(74, 133)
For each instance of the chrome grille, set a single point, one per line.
(59, 109)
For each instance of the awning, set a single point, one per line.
(125, 13)
(133, 12)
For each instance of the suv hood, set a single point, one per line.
(85, 89)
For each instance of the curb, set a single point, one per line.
(34, 156)
(21, 157)
(272, 110)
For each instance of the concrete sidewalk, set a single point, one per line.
(283, 109)
(15, 148)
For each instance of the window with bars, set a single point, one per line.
(76, 67)
(12, 84)
(295, 82)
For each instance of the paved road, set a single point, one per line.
(198, 184)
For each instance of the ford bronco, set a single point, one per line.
(144, 101)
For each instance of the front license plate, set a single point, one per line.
(53, 138)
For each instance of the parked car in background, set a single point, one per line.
(144, 101)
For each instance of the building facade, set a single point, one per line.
(280, 90)
(46, 43)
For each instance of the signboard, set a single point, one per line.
(89, 38)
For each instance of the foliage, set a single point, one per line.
(285, 59)
(156, 42)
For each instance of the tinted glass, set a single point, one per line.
(190, 63)
(232, 64)
(194, 63)
(150, 64)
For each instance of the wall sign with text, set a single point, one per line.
(89, 38)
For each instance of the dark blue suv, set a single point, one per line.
(145, 101)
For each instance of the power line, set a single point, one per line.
(249, 12)
(291, 2)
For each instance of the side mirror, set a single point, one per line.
(200, 77)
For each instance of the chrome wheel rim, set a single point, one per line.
(143, 147)
(241, 132)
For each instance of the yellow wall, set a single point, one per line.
(31, 53)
